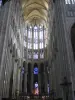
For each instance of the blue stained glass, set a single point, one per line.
(35, 70)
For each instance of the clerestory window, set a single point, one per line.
(35, 40)
(70, 1)
(35, 37)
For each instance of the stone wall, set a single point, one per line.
(11, 52)
(61, 64)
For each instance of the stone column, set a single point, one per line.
(44, 41)
(45, 52)
(32, 78)
(27, 42)
(69, 68)
(4, 19)
(25, 80)
(39, 81)
(19, 76)
(11, 77)
(45, 75)
(32, 65)
(19, 82)
(14, 79)
(39, 78)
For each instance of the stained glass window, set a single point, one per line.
(35, 38)
(35, 55)
(35, 70)
(36, 85)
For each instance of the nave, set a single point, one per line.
(37, 49)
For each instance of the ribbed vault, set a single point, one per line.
(35, 11)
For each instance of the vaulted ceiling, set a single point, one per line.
(35, 11)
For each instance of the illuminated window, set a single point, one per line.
(38, 37)
(46, 38)
(35, 27)
(36, 85)
(29, 34)
(35, 38)
(35, 70)
(70, 1)
(35, 55)
(41, 35)
(29, 46)
(41, 39)
(36, 91)
(41, 54)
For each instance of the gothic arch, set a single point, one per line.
(73, 39)
(35, 65)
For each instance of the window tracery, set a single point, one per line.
(35, 39)
(42, 54)
(35, 55)
(70, 1)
